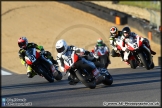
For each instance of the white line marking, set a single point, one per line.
(5, 73)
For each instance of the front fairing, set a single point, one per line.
(70, 59)
(101, 51)
(31, 56)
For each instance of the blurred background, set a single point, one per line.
(151, 4)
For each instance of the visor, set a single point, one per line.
(99, 43)
(60, 50)
(22, 44)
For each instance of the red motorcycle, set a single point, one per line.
(41, 66)
(138, 54)
(82, 75)
(130, 59)
(102, 55)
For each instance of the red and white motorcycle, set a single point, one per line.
(41, 66)
(102, 55)
(82, 75)
(130, 60)
(138, 54)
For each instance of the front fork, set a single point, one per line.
(52, 67)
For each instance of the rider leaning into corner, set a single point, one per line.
(127, 34)
(24, 45)
(64, 51)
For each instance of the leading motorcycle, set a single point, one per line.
(41, 65)
(140, 52)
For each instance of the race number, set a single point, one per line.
(135, 45)
(32, 58)
(69, 61)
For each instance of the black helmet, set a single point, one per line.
(126, 30)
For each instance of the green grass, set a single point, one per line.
(143, 4)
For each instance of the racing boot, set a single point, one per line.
(73, 81)
(99, 78)
(118, 54)
(30, 73)
(153, 52)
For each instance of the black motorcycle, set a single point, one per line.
(41, 66)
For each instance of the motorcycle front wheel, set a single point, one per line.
(47, 75)
(133, 64)
(89, 84)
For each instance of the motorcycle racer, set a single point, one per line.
(100, 43)
(63, 51)
(114, 35)
(24, 45)
(127, 34)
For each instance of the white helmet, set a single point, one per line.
(61, 46)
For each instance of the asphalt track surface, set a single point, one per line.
(130, 85)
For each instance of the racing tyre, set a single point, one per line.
(90, 84)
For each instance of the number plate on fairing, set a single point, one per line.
(32, 58)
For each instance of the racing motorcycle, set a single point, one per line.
(102, 55)
(41, 65)
(82, 75)
(128, 55)
(138, 53)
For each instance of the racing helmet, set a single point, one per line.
(100, 42)
(126, 32)
(22, 42)
(114, 31)
(61, 46)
